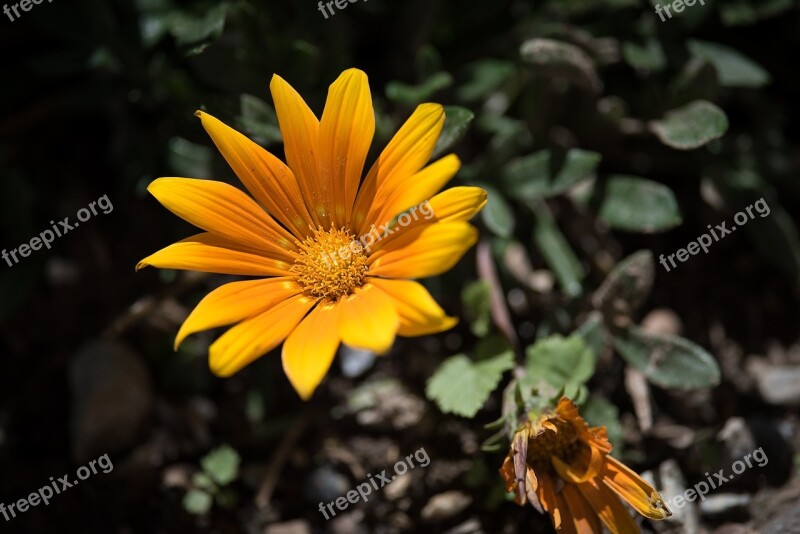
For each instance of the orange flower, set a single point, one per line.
(336, 270)
(561, 465)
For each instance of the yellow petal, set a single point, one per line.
(420, 188)
(606, 505)
(458, 203)
(213, 254)
(223, 210)
(256, 336)
(345, 135)
(300, 129)
(236, 302)
(425, 251)
(633, 489)
(406, 153)
(309, 350)
(420, 315)
(267, 178)
(368, 319)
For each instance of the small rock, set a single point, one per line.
(398, 488)
(470, 526)
(348, 523)
(673, 485)
(112, 399)
(786, 523)
(732, 528)
(725, 504)
(663, 321)
(326, 484)
(779, 385)
(355, 362)
(737, 438)
(445, 505)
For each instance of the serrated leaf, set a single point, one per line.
(529, 177)
(638, 205)
(561, 362)
(734, 69)
(189, 159)
(197, 502)
(194, 32)
(222, 465)
(461, 386)
(562, 60)
(456, 124)
(691, 126)
(668, 361)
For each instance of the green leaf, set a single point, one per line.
(638, 205)
(477, 306)
(734, 69)
(563, 60)
(259, 120)
(222, 465)
(189, 159)
(197, 502)
(456, 124)
(415, 94)
(529, 177)
(497, 215)
(561, 362)
(668, 361)
(691, 126)
(578, 165)
(461, 386)
(194, 32)
(558, 253)
(486, 75)
(649, 57)
(593, 333)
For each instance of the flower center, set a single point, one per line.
(331, 264)
(562, 443)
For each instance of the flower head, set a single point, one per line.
(335, 255)
(559, 464)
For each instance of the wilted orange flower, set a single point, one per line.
(561, 465)
(336, 269)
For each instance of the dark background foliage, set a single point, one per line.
(98, 99)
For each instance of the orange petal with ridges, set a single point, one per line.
(268, 179)
(424, 251)
(633, 489)
(407, 152)
(251, 339)
(214, 254)
(236, 302)
(368, 319)
(310, 349)
(300, 129)
(345, 135)
(223, 210)
(419, 313)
